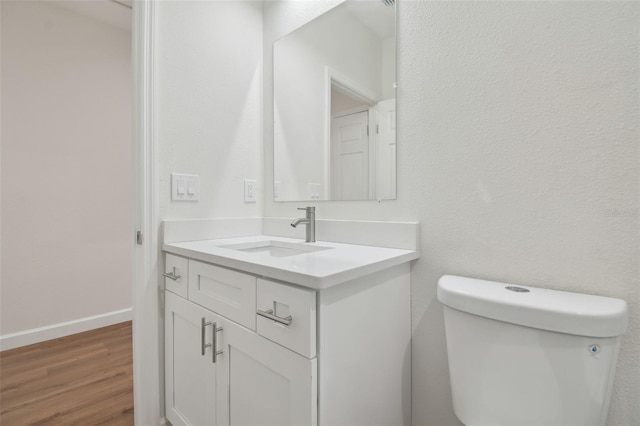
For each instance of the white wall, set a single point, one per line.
(208, 108)
(517, 134)
(209, 104)
(66, 167)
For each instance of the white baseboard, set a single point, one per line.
(41, 334)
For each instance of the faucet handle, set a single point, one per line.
(307, 209)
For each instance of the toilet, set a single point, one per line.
(527, 356)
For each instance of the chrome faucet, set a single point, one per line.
(310, 221)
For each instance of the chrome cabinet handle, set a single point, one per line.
(214, 342)
(270, 315)
(203, 326)
(214, 338)
(172, 275)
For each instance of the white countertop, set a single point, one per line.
(316, 270)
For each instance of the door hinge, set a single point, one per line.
(139, 237)
(367, 130)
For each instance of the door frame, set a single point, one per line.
(146, 294)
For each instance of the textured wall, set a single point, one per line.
(209, 104)
(517, 152)
(66, 166)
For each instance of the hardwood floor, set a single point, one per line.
(84, 379)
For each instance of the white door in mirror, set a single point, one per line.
(350, 157)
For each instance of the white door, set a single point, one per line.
(190, 375)
(350, 157)
(386, 149)
(267, 384)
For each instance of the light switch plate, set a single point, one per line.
(185, 187)
(314, 191)
(276, 190)
(250, 191)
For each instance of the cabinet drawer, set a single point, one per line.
(181, 265)
(229, 293)
(283, 301)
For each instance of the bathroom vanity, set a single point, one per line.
(266, 330)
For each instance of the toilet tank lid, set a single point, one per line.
(553, 310)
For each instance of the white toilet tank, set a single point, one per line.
(522, 355)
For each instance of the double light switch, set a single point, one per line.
(185, 187)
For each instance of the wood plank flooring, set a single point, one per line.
(83, 379)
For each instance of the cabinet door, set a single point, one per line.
(266, 383)
(190, 375)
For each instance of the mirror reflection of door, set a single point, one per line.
(350, 145)
(363, 146)
(350, 157)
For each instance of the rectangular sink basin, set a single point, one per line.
(275, 248)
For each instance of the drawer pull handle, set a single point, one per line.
(269, 314)
(203, 326)
(172, 275)
(214, 342)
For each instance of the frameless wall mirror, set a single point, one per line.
(335, 107)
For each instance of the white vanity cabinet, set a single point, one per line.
(251, 381)
(190, 374)
(267, 383)
(286, 354)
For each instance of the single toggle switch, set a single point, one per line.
(181, 185)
